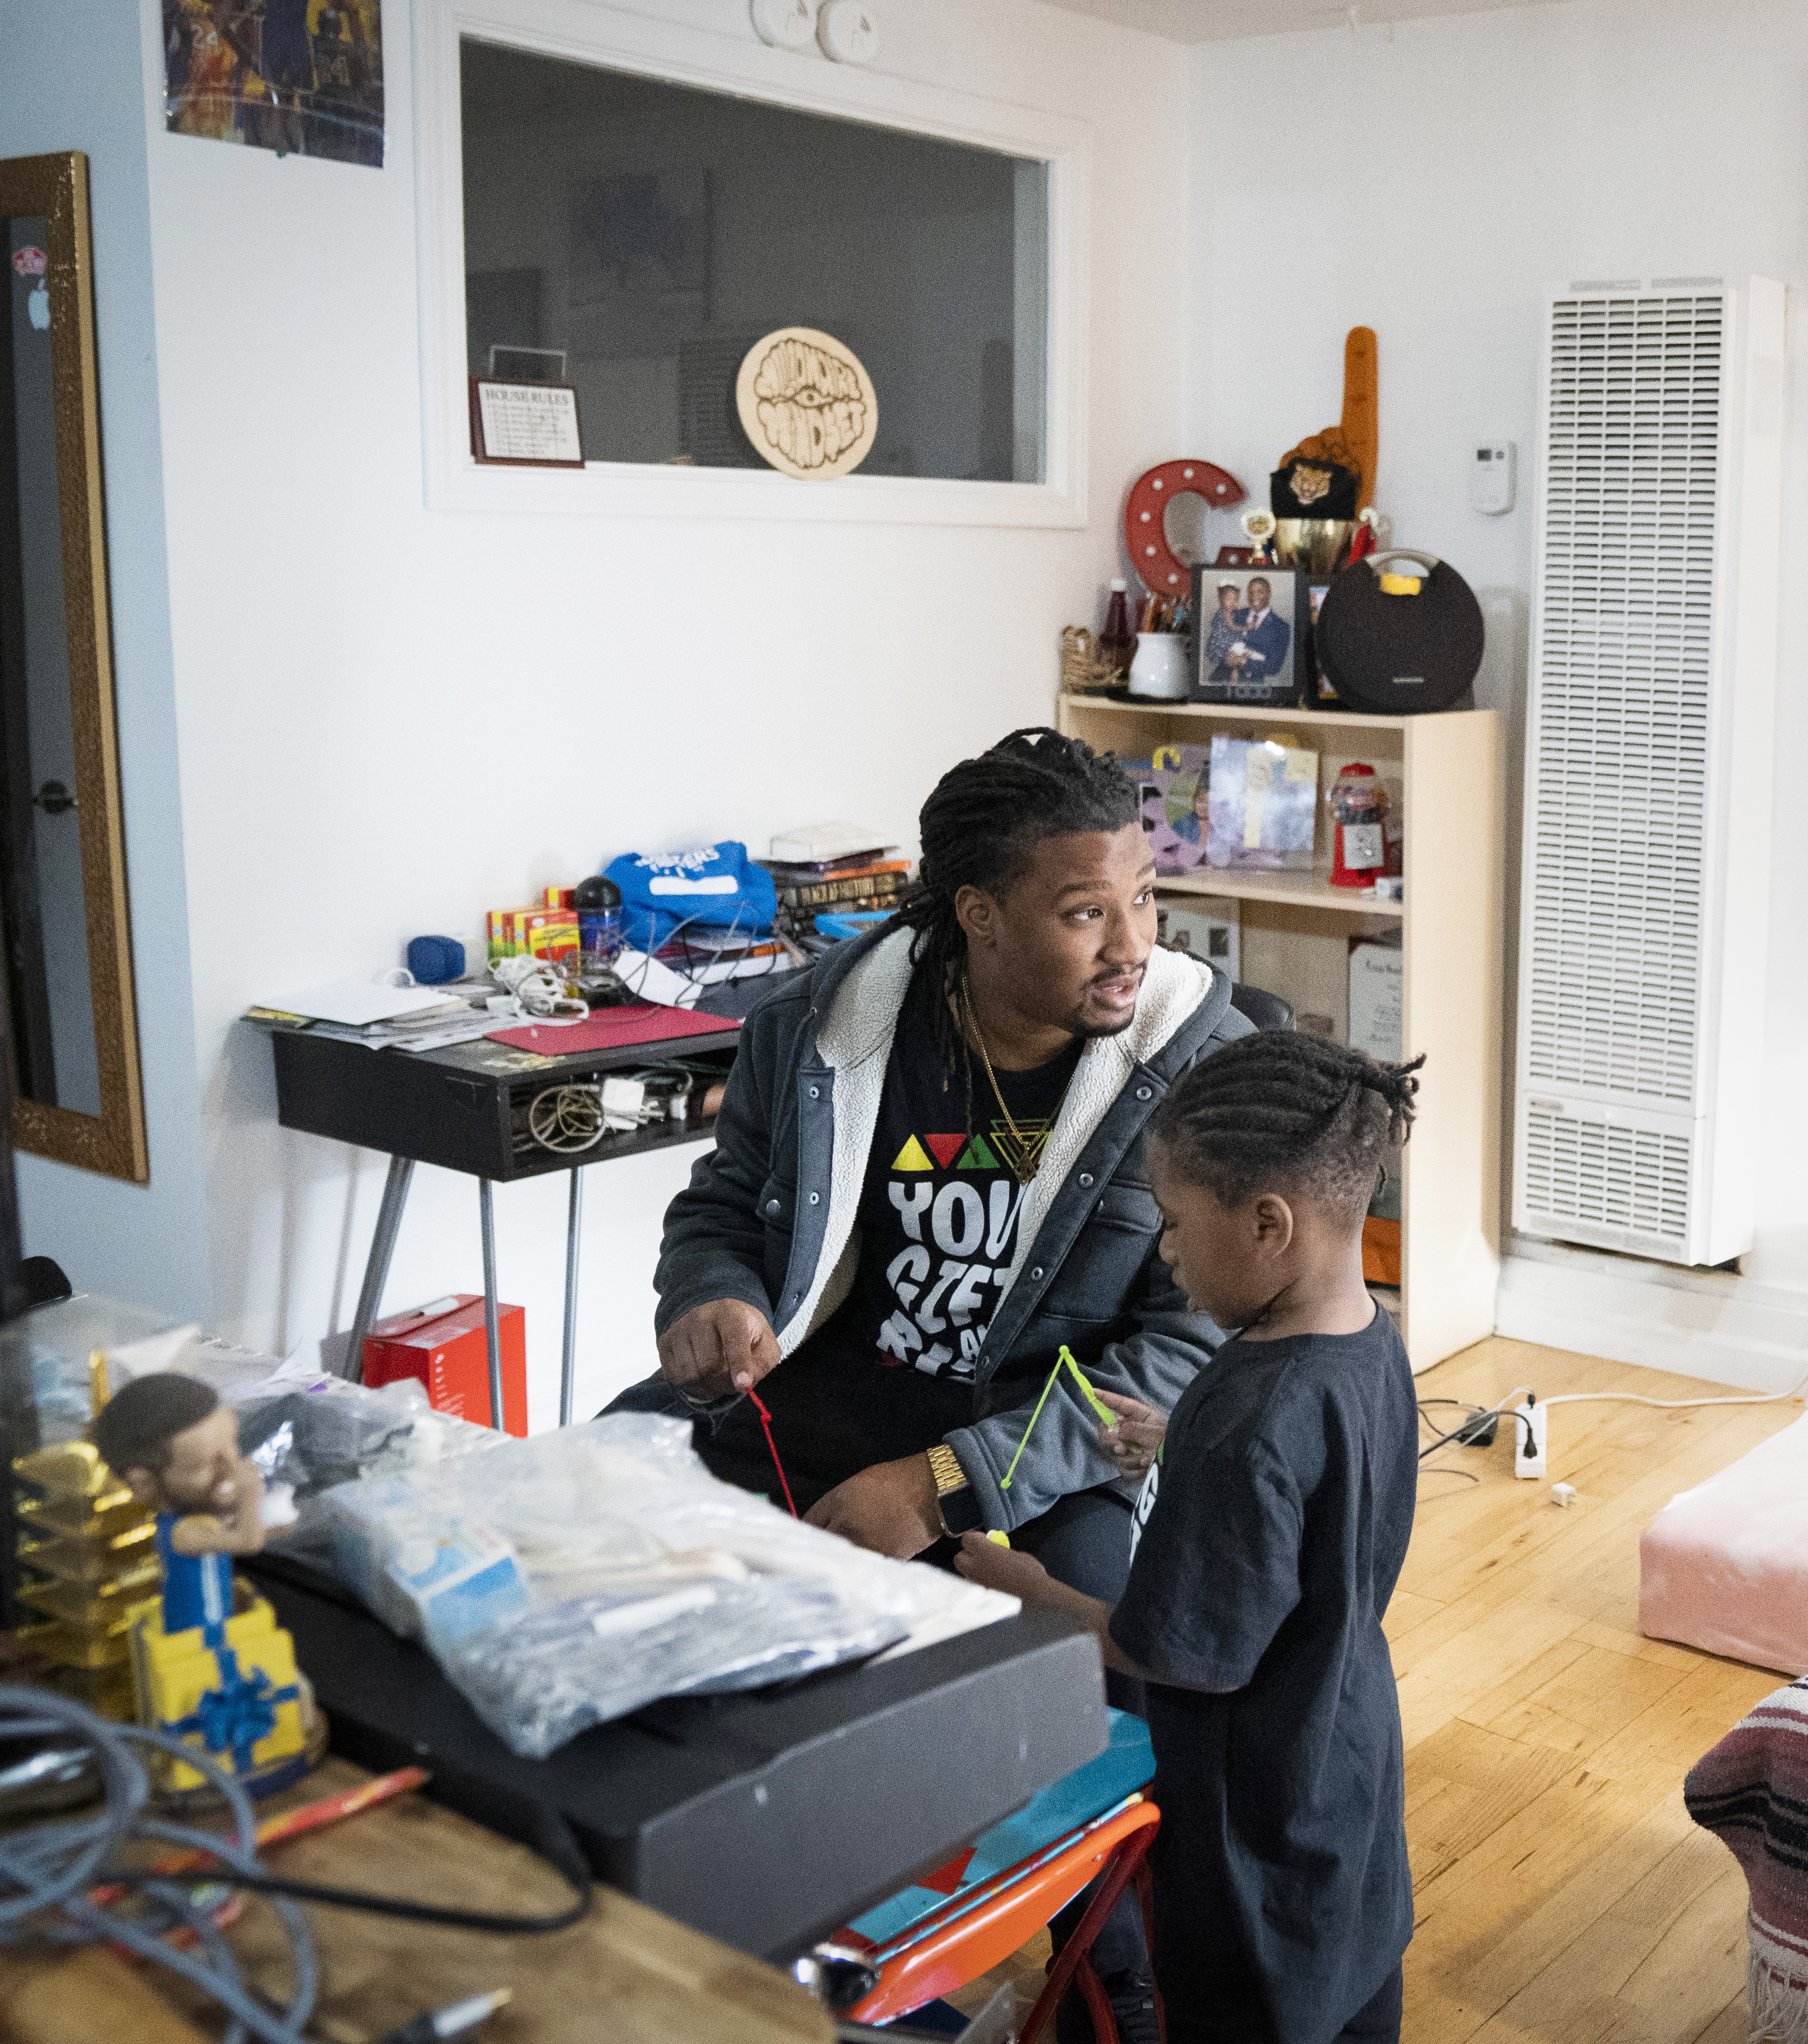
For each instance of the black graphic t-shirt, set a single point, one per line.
(892, 1371)
(1266, 1543)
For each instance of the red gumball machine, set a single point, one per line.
(1358, 804)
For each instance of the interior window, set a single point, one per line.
(634, 239)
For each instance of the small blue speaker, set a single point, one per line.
(435, 960)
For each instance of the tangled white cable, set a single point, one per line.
(567, 1118)
(539, 992)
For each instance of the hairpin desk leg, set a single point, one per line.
(492, 1332)
(377, 1264)
(568, 1363)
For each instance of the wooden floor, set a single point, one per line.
(1562, 1892)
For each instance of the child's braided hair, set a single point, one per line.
(977, 828)
(1281, 1108)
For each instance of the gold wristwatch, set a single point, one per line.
(953, 1492)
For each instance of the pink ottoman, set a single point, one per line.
(1725, 1566)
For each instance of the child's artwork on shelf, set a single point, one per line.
(1172, 791)
(1262, 806)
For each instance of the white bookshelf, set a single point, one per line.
(1444, 773)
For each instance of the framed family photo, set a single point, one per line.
(1251, 630)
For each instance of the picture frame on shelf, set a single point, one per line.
(1320, 691)
(1250, 635)
(524, 425)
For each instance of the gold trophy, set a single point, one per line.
(1335, 467)
(1320, 546)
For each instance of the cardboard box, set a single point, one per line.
(441, 1346)
(550, 933)
(1207, 927)
(1380, 1251)
(506, 932)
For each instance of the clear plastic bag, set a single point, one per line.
(320, 1431)
(559, 1669)
(645, 1578)
(314, 1433)
(53, 1343)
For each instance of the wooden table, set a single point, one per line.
(626, 1973)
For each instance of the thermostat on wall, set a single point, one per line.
(1492, 468)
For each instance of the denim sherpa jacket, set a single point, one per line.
(770, 1215)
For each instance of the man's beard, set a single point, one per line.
(1077, 1025)
(1088, 1030)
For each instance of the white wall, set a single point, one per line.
(1429, 180)
(389, 720)
(74, 77)
(386, 719)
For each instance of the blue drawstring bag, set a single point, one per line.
(712, 889)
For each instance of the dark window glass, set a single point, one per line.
(635, 239)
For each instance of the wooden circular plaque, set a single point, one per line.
(806, 403)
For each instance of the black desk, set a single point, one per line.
(465, 1108)
(754, 1816)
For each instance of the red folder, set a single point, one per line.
(611, 1029)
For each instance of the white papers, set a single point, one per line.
(1377, 990)
(357, 1003)
(434, 1038)
(651, 981)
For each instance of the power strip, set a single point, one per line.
(1531, 1434)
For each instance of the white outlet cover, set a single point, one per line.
(848, 31)
(786, 24)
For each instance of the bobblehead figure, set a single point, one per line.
(212, 1667)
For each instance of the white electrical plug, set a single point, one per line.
(622, 1100)
(1563, 1494)
(1531, 1429)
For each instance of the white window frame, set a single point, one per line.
(591, 33)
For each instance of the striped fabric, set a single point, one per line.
(1751, 1791)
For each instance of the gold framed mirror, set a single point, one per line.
(67, 958)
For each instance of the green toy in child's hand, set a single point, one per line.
(1104, 1412)
(1106, 1416)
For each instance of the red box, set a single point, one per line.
(441, 1347)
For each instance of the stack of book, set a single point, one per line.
(835, 869)
(713, 956)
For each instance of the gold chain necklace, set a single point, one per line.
(1021, 1170)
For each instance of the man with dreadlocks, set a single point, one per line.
(928, 1175)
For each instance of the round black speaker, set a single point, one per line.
(1392, 642)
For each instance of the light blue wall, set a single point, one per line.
(75, 76)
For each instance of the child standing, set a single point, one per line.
(1270, 1531)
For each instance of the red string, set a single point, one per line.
(765, 1421)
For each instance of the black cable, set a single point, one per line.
(1477, 1431)
(1468, 1476)
(375, 1905)
(552, 1840)
(1498, 1412)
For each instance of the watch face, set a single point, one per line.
(960, 1511)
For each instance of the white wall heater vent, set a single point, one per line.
(1646, 860)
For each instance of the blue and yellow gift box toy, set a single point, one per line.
(213, 1669)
